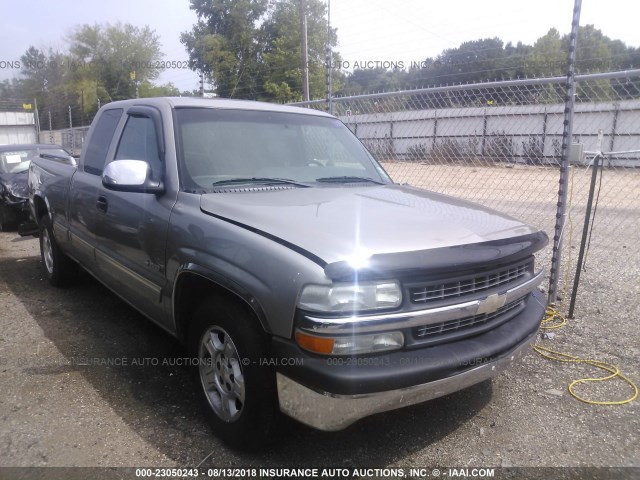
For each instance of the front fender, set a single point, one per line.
(225, 282)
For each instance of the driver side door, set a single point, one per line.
(132, 230)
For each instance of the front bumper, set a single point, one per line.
(329, 412)
(332, 393)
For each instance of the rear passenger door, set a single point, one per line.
(132, 227)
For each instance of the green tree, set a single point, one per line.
(148, 89)
(281, 59)
(224, 44)
(513, 64)
(374, 80)
(96, 69)
(116, 56)
(251, 48)
(7, 89)
(48, 77)
(547, 57)
(474, 61)
(596, 52)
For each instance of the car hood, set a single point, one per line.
(335, 224)
(15, 184)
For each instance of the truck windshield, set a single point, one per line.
(219, 145)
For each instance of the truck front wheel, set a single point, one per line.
(237, 386)
(60, 269)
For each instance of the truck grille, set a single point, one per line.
(470, 285)
(467, 323)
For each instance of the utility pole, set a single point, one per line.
(50, 129)
(82, 107)
(132, 76)
(73, 137)
(303, 51)
(36, 119)
(329, 60)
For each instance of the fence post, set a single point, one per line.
(567, 134)
(73, 139)
(614, 127)
(484, 130)
(50, 129)
(37, 119)
(435, 128)
(612, 139)
(544, 135)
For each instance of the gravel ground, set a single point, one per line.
(59, 408)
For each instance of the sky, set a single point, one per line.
(368, 30)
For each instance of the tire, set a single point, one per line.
(59, 268)
(238, 392)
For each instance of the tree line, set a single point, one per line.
(102, 63)
(491, 59)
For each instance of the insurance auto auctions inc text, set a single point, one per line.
(351, 472)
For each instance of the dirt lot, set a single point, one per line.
(60, 407)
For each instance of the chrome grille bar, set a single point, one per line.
(464, 323)
(468, 286)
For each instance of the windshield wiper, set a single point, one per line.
(259, 180)
(346, 179)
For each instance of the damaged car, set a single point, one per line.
(14, 166)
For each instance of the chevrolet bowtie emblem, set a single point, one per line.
(491, 303)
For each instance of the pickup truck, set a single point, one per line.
(300, 277)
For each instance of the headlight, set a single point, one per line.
(349, 297)
(350, 344)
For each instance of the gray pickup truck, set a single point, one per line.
(300, 277)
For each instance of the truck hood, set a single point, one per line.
(336, 224)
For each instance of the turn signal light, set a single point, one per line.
(314, 344)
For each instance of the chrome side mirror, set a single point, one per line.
(130, 176)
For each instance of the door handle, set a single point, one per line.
(102, 204)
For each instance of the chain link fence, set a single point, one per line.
(71, 139)
(22, 121)
(499, 144)
(64, 125)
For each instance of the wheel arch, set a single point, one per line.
(193, 283)
(40, 207)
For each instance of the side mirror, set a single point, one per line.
(130, 176)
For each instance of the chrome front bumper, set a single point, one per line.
(330, 412)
